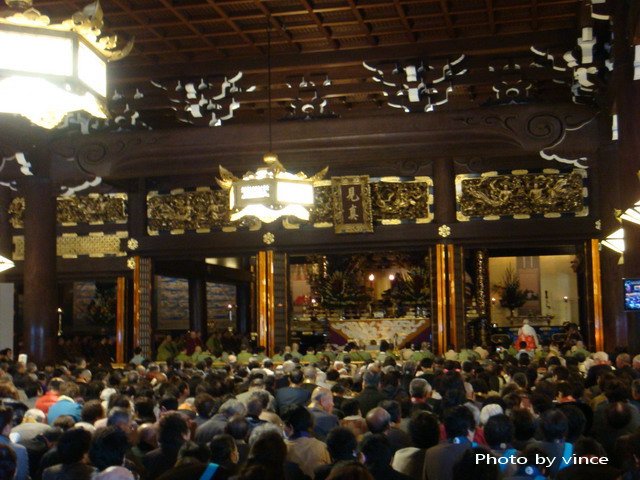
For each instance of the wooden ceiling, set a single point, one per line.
(318, 49)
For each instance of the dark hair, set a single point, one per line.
(172, 428)
(458, 421)
(554, 425)
(65, 422)
(6, 417)
(204, 404)
(221, 447)
(498, 430)
(73, 445)
(168, 402)
(296, 376)
(350, 470)
(341, 443)
(586, 446)
(70, 389)
(424, 429)
(393, 408)
(576, 422)
(377, 450)
(144, 409)
(92, 411)
(237, 427)
(350, 406)
(108, 448)
(266, 458)
(618, 414)
(191, 450)
(371, 378)
(524, 424)
(8, 462)
(467, 468)
(298, 418)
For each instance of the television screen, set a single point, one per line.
(632, 294)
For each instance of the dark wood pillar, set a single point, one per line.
(198, 306)
(445, 193)
(40, 295)
(138, 210)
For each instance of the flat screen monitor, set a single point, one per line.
(631, 294)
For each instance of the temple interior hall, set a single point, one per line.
(319, 172)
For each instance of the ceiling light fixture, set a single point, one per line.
(615, 241)
(49, 70)
(271, 192)
(5, 264)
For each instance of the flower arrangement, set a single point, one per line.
(340, 290)
(411, 288)
(512, 296)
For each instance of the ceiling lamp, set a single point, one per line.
(632, 214)
(49, 70)
(615, 241)
(269, 193)
(5, 264)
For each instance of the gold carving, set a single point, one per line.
(133, 244)
(92, 209)
(95, 245)
(323, 205)
(16, 212)
(402, 200)
(521, 194)
(268, 238)
(200, 210)
(444, 230)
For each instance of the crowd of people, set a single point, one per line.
(202, 412)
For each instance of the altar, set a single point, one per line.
(396, 331)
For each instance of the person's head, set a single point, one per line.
(322, 398)
(342, 444)
(576, 422)
(350, 406)
(524, 424)
(73, 445)
(204, 404)
(233, 407)
(371, 379)
(349, 470)
(92, 411)
(121, 418)
(6, 420)
(8, 462)
(618, 414)
(554, 425)
(588, 447)
(424, 429)
(419, 388)
(298, 418)
(269, 452)
(601, 358)
(115, 473)
(498, 431)
(378, 420)
(191, 453)
(623, 360)
(237, 427)
(34, 415)
(377, 450)
(467, 467)
(223, 449)
(70, 389)
(459, 422)
(295, 377)
(531, 463)
(148, 434)
(108, 448)
(173, 430)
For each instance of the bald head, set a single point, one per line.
(115, 473)
(378, 420)
(148, 433)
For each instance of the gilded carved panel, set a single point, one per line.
(96, 245)
(522, 194)
(394, 200)
(93, 209)
(177, 211)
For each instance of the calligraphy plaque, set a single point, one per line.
(352, 204)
